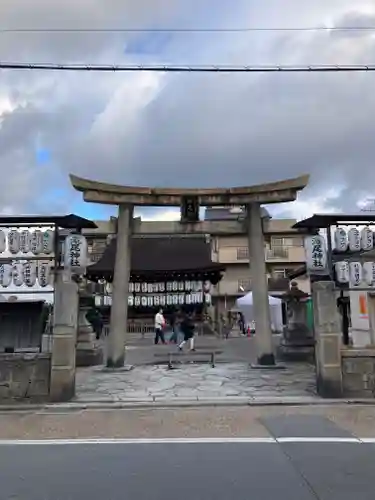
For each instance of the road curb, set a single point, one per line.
(163, 403)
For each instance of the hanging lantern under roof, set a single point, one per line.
(342, 272)
(355, 272)
(341, 239)
(369, 273)
(367, 239)
(354, 238)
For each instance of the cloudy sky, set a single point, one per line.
(186, 129)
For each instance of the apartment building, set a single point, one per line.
(284, 251)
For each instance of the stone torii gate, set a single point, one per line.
(126, 197)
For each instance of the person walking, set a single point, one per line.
(187, 328)
(159, 327)
(173, 323)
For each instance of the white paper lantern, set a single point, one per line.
(169, 286)
(17, 274)
(367, 239)
(75, 253)
(131, 287)
(137, 287)
(137, 301)
(354, 237)
(342, 272)
(169, 300)
(181, 299)
(341, 239)
(187, 286)
(150, 288)
(162, 300)
(198, 286)
(316, 254)
(5, 275)
(25, 241)
(175, 299)
(48, 241)
(29, 273)
(155, 287)
(369, 273)
(144, 287)
(144, 301)
(355, 272)
(150, 301)
(188, 298)
(130, 301)
(3, 241)
(161, 287)
(14, 241)
(174, 286)
(44, 274)
(156, 300)
(36, 242)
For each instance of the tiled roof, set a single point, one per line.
(161, 254)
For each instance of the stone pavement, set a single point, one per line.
(198, 382)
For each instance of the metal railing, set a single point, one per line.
(277, 253)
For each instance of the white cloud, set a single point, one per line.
(188, 130)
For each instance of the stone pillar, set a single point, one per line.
(328, 340)
(120, 289)
(64, 338)
(259, 286)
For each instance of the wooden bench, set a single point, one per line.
(211, 354)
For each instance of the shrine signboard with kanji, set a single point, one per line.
(316, 254)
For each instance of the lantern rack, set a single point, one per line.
(61, 225)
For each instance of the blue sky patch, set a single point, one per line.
(147, 43)
(43, 156)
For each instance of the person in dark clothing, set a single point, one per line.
(95, 319)
(174, 327)
(187, 328)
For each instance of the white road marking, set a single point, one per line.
(318, 440)
(242, 440)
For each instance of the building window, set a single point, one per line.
(244, 285)
(242, 253)
(286, 242)
(279, 273)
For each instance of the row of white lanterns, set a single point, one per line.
(354, 240)
(28, 273)
(169, 299)
(355, 273)
(36, 242)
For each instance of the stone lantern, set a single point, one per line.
(297, 341)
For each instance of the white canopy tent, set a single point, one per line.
(246, 307)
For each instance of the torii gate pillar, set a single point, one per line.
(120, 289)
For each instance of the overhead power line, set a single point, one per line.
(184, 30)
(186, 68)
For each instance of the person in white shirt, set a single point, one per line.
(159, 327)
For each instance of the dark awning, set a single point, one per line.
(325, 220)
(70, 221)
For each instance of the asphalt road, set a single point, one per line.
(199, 471)
(260, 454)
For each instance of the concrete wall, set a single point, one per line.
(358, 373)
(24, 377)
